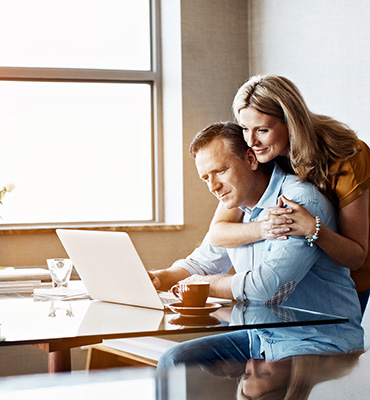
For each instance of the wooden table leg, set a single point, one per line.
(59, 361)
(59, 352)
(59, 357)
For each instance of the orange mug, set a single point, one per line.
(191, 294)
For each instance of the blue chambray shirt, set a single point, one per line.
(274, 344)
(262, 268)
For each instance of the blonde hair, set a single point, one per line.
(306, 372)
(316, 141)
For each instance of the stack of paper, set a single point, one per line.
(61, 293)
(23, 280)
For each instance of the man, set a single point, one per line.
(244, 179)
(273, 271)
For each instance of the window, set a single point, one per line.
(79, 112)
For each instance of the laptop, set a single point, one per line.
(111, 269)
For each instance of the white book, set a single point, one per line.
(22, 286)
(24, 274)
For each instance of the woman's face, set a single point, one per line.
(267, 135)
(262, 377)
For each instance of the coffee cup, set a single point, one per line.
(192, 294)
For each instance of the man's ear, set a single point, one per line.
(251, 160)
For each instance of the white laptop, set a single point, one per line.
(111, 269)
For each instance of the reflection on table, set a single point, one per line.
(57, 326)
(315, 377)
(26, 320)
(264, 341)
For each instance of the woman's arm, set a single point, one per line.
(226, 229)
(349, 247)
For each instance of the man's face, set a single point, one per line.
(230, 179)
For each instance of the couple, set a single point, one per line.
(276, 270)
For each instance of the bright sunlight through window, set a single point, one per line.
(102, 34)
(78, 150)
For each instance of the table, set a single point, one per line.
(58, 326)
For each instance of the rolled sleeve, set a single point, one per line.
(206, 260)
(238, 286)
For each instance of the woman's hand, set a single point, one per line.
(281, 222)
(349, 248)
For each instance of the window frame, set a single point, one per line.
(153, 77)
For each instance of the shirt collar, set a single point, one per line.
(272, 192)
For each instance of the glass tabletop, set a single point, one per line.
(25, 320)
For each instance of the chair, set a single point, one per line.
(113, 353)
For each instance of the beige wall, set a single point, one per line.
(214, 64)
(322, 46)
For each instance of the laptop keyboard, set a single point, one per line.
(168, 298)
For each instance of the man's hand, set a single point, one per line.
(220, 285)
(164, 279)
(156, 281)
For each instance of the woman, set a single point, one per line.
(278, 126)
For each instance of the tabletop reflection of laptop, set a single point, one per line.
(110, 318)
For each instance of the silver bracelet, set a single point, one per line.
(311, 240)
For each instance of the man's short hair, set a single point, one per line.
(229, 131)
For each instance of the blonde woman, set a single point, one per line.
(278, 125)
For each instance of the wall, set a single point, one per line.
(322, 46)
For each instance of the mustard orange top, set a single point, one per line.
(352, 182)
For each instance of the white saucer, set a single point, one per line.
(194, 311)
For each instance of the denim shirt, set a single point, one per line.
(262, 268)
(274, 344)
